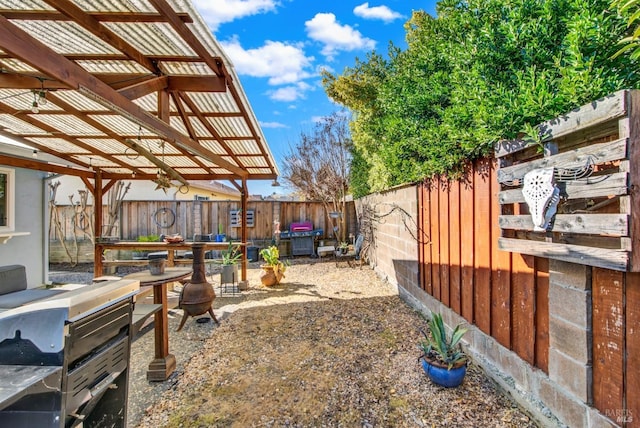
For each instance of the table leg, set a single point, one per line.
(164, 363)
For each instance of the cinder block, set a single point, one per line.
(567, 409)
(569, 274)
(570, 304)
(596, 419)
(515, 367)
(571, 374)
(570, 339)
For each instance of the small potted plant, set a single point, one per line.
(273, 269)
(343, 248)
(220, 236)
(230, 258)
(442, 358)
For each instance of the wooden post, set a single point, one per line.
(97, 212)
(243, 229)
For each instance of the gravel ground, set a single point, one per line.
(331, 346)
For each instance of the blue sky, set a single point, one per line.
(278, 48)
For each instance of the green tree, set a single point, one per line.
(631, 41)
(482, 71)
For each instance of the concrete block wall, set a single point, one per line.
(394, 254)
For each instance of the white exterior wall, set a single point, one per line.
(28, 250)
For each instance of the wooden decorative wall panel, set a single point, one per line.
(592, 151)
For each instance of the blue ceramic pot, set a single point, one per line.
(442, 376)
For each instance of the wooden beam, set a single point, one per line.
(244, 193)
(88, 184)
(197, 83)
(31, 119)
(36, 165)
(165, 114)
(20, 81)
(108, 186)
(208, 125)
(140, 89)
(181, 28)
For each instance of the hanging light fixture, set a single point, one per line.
(42, 95)
(34, 105)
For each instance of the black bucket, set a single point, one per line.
(252, 254)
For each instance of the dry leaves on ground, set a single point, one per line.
(331, 346)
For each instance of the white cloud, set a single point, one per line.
(382, 13)
(336, 37)
(282, 63)
(220, 11)
(289, 93)
(273, 125)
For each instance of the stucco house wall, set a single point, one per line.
(28, 250)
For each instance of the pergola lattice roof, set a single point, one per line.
(132, 87)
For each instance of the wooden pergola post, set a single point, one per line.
(243, 230)
(97, 213)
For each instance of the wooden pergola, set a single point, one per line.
(126, 90)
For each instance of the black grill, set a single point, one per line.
(85, 382)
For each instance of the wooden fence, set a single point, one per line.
(141, 218)
(504, 294)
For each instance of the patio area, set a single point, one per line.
(331, 346)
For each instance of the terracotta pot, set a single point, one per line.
(268, 276)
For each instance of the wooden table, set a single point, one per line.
(163, 363)
(163, 246)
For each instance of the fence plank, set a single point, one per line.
(591, 114)
(523, 307)
(604, 258)
(425, 210)
(542, 314)
(593, 154)
(443, 195)
(599, 186)
(606, 224)
(608, 340)
(454, 246)
(482, 246)
(467, 240)
(435, 238)
(500, 274)
(632, 298)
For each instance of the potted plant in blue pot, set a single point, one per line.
(442, 358)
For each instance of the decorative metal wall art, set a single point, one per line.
(542, 196)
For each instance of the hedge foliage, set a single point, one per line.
(482, 71)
